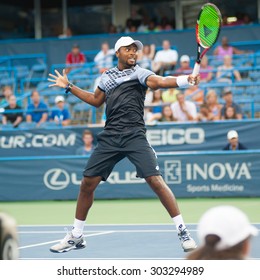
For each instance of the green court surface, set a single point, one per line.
(142, 211)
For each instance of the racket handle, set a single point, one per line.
(196, 69)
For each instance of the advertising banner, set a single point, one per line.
(163, 138)
(197, 174)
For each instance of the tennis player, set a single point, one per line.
(123, 89)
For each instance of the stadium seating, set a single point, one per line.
(28, 72)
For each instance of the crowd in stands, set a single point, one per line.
(143, 23)
(193, 103)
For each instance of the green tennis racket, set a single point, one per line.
(207, 30)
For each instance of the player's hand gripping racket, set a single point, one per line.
(207, 30)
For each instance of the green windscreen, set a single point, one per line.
(208, 27)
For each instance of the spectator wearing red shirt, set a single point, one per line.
(75, 57)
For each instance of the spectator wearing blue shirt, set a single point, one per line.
(60, 114)
(88, 146)
(37, 111)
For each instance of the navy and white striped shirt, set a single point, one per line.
(125, 93)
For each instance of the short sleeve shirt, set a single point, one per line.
(125, 94)
(71, 59)
(37, 112)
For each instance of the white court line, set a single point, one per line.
(54, 241)
(106, 225)
(114, 231)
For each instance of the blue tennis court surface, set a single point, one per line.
(112, 242)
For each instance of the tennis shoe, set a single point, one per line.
(68, 243)
(187, 242)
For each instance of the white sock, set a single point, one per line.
(179, 223)
(78, 227)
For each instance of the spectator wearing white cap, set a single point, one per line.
(193, 93)
(184, 66)
(233, 143)
(60, 114)
(224, 233)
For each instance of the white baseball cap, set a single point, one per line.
(127, 41)
(229, 223)
(59, 98)
(185, 57)
(232, 134)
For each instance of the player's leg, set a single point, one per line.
(75, 239)
(142, 155)
(86, 196)
(165, 194)
(98, 168)
(168, 200)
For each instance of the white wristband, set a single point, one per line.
(182, 80)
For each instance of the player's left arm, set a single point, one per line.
(156, 81)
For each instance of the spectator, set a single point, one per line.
(104, 58)
(206, 73)
(37, 111)
(227, 72)
(247, 19)
(112, 29)
(15, 118)
(230, 113)
(233, 142)
(9, 240)
(194, 92)
(170, 95)
(213, 105)
(152, 27)
(224, 233)
(66, 34)
(75, 57)
(7, 92)
(165, 59)
(145, 56)
(129, 25)
(157, 101)
(60, 114)
(165, 24)
(184, 68)
(226, 49)
(148, 97)
(165, 116)
(204, 114)
(184, 110)
(155, 106)
(98, 78)
(143, 27)
(88, 147)
(228, 97)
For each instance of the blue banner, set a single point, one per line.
(197, 174)
(163, 137)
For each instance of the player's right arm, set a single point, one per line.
(95, 99)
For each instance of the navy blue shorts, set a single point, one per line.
(114, 146)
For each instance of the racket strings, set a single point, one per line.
(209, 24)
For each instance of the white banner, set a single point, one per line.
(128, 269)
